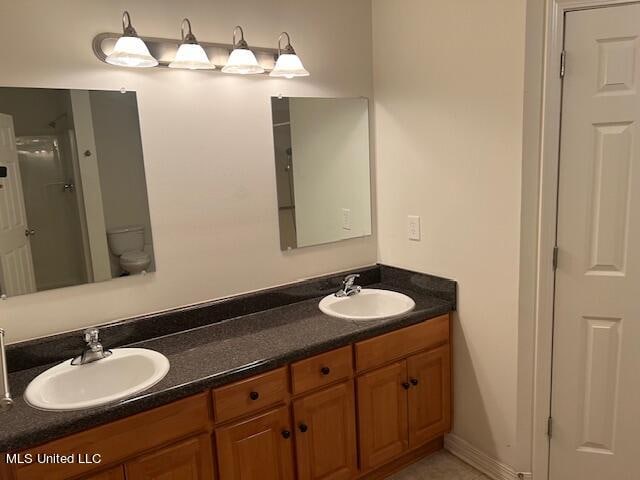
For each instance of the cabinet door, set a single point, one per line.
(429, 395)
(325, 426)
(259, 448)
(113, 474)
(188, 460)
(382, 414)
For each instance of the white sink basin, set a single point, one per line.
(124, 373)
(369, 304)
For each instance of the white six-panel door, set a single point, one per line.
(16, 264)
(596, 368)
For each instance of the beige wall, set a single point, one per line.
(207, 144)
(448, 136)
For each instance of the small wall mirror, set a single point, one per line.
(73, 195)
(322, 169)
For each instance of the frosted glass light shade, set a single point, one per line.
(242, 61)
(191, 56)
(289, 66)
(131, 52)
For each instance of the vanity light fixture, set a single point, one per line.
(288, 64)
(190, 54)
(130, 50)
(242, 60)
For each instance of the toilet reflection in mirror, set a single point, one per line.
(127, 243)
(73, 203)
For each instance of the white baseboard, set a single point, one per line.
(481, 461)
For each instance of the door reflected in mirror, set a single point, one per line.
(73, 198)
(322, 169)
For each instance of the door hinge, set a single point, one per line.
(550, 427)
(555, 258)
(563, 62)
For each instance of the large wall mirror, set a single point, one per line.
(73, 195)
(322, 169)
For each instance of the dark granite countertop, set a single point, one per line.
(215, 354)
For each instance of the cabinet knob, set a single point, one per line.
(406, 385)
(414, 381)
(325, 370)
(254, 395)
(303, 427)
(286, 434)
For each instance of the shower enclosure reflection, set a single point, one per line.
(73, 203)
(51, 205)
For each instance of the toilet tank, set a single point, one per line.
(125, 239)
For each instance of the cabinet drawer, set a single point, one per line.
(321, 370)
(401, 343)
(250, 395)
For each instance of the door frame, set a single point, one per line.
(547, 218)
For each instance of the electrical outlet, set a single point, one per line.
(413, 227)
(346, 219)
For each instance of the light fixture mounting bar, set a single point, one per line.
(164, 50)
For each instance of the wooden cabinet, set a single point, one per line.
(113, 474)
(118, 441)
(260, 448)
(387, 398)
(429, 374)
(382, 414)
(325, 427)
(187, 460)
(403, 406)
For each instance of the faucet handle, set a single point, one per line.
(349, 279)
(92, 335)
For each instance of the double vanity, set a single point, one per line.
(315, 380)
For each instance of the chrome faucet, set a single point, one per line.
(94, 352)
(348, 288)
(6, 402)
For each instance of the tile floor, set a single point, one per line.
(439, 466)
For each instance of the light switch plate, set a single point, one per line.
(413, 227)
(346, 219)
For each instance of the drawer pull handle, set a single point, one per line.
(414, 381)
(286, 434)
(325, 370)
(254, 395)
(303, 427)
(406, 385)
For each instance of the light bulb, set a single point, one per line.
(288, 64)
(190, 54)
(130, 50)
(242, 60)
